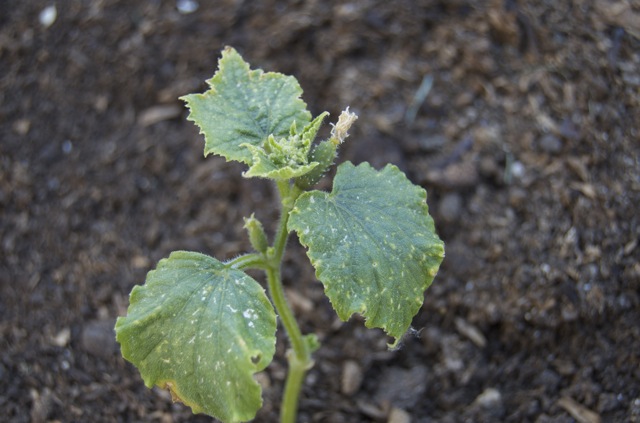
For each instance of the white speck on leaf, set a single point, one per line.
(250, 314)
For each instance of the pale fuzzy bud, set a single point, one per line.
(339, 132)
(257, 237)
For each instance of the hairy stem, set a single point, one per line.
(247, 261)
(300, 357)
(293, 386)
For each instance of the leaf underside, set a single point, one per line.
(245, 106)
(372, 243)
(201, 330)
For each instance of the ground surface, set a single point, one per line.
(527, 142)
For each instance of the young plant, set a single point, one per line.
(202, 328)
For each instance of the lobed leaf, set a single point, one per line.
(201, 330)
(372, 243)
(245, 106)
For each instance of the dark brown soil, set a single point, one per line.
(527, 142)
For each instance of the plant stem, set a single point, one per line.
(293, 385)
(300, 358)
(247, 261)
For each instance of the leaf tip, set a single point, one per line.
(395, 346)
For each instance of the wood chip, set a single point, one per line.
(585, 189)
(578, 411)
(471, 332)
(159, 113)
(630, 246)
(578, 166)
(351, 377)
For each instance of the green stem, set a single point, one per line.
(293, 386)
(247, 261)
(300, 358)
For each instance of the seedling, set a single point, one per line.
(202, 328)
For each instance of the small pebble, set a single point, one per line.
(67, 146)
(98, 338)
(608, 401)
(41, 405)
(402, 388)
(48, 16)
(489, 398)
(517, 170)
(351, 377)
(551, 144)
(431, 143)
(450, 207)
(398, 415)
(21, 126)
(62, 338)
(187, 6)
(634, 410)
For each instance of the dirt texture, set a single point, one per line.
(520, 118)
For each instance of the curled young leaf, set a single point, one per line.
(287, 157)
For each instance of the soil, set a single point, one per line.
(527, 142)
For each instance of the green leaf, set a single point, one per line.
(201, 330)
(372, 243)
(245, 106)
